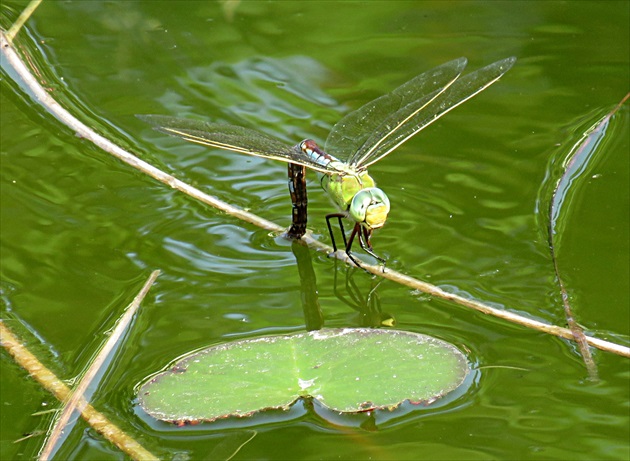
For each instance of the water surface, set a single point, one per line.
(80, 230)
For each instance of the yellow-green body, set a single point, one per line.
(343, 188)
(356, 193)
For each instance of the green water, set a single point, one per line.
(81, 231)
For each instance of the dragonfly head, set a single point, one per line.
(369, 207)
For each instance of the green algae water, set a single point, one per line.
(80, 231)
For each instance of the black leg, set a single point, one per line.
(343, 231)
(339, 217)
(364, 238)
(356, 230)
(364, 241)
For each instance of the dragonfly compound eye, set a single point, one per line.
(304, 146)
(370, 206)
(308, 146)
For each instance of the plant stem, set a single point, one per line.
(54, 385)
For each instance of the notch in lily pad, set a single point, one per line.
(345, 370)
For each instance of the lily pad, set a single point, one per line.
(346, 370)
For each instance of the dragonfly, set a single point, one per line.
(360, 139)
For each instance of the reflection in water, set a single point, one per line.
(313, 318)
(368, 306)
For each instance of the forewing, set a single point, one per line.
(399, 126)
(352, 131)
(233, 138)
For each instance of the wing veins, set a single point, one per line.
(435, 108)
(255, 143)
(402, 123)
(348, 137)
(423, 126)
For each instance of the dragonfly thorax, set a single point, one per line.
(369, 207)
(342, 188)
(317, 155)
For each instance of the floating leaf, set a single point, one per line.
(346, 370)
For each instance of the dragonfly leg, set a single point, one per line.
(297, 189)
(364, 241)
(364, 238)
(356, 230)
(339, 217)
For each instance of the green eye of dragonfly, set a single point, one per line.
(358, 140)
(369, 207)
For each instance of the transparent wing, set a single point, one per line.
(351, 133)
(399, 126)
(234, 138)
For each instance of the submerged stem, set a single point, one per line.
(54, 385)
(77, 400)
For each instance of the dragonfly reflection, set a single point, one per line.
(358, 140)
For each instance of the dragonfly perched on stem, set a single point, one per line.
(358, 140)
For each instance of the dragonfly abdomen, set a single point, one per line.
(297, 189)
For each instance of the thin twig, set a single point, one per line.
(577, 156)
(241, 446)
(53, 107)
(499, 313)
(54, 385)
(229, 446)
(77, 401)
(17, 25)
